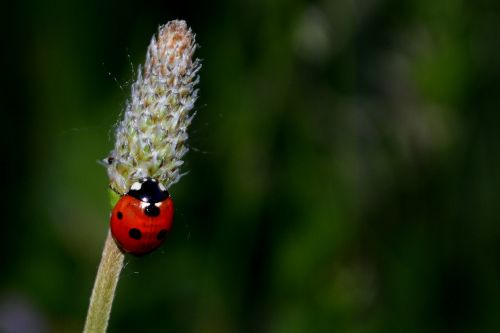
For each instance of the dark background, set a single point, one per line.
(343, 172)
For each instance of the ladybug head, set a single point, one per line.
(148, 190)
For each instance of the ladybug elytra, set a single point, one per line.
(142, 217)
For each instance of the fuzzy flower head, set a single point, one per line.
(151, 138)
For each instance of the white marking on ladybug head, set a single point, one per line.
(144, 204)
(158, 204)
(136, 186)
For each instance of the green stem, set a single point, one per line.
(105, 284)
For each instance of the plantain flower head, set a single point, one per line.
(151, 140)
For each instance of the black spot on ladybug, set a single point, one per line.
(149, 191)
(119, 215)
(135, 233)
(161, 234)
(151, 210)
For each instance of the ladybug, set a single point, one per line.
(142, 217)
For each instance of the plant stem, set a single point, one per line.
(104, 288)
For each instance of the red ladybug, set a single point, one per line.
(142, 218)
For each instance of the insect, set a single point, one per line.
(142, 217)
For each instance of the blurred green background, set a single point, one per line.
(343, 172)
